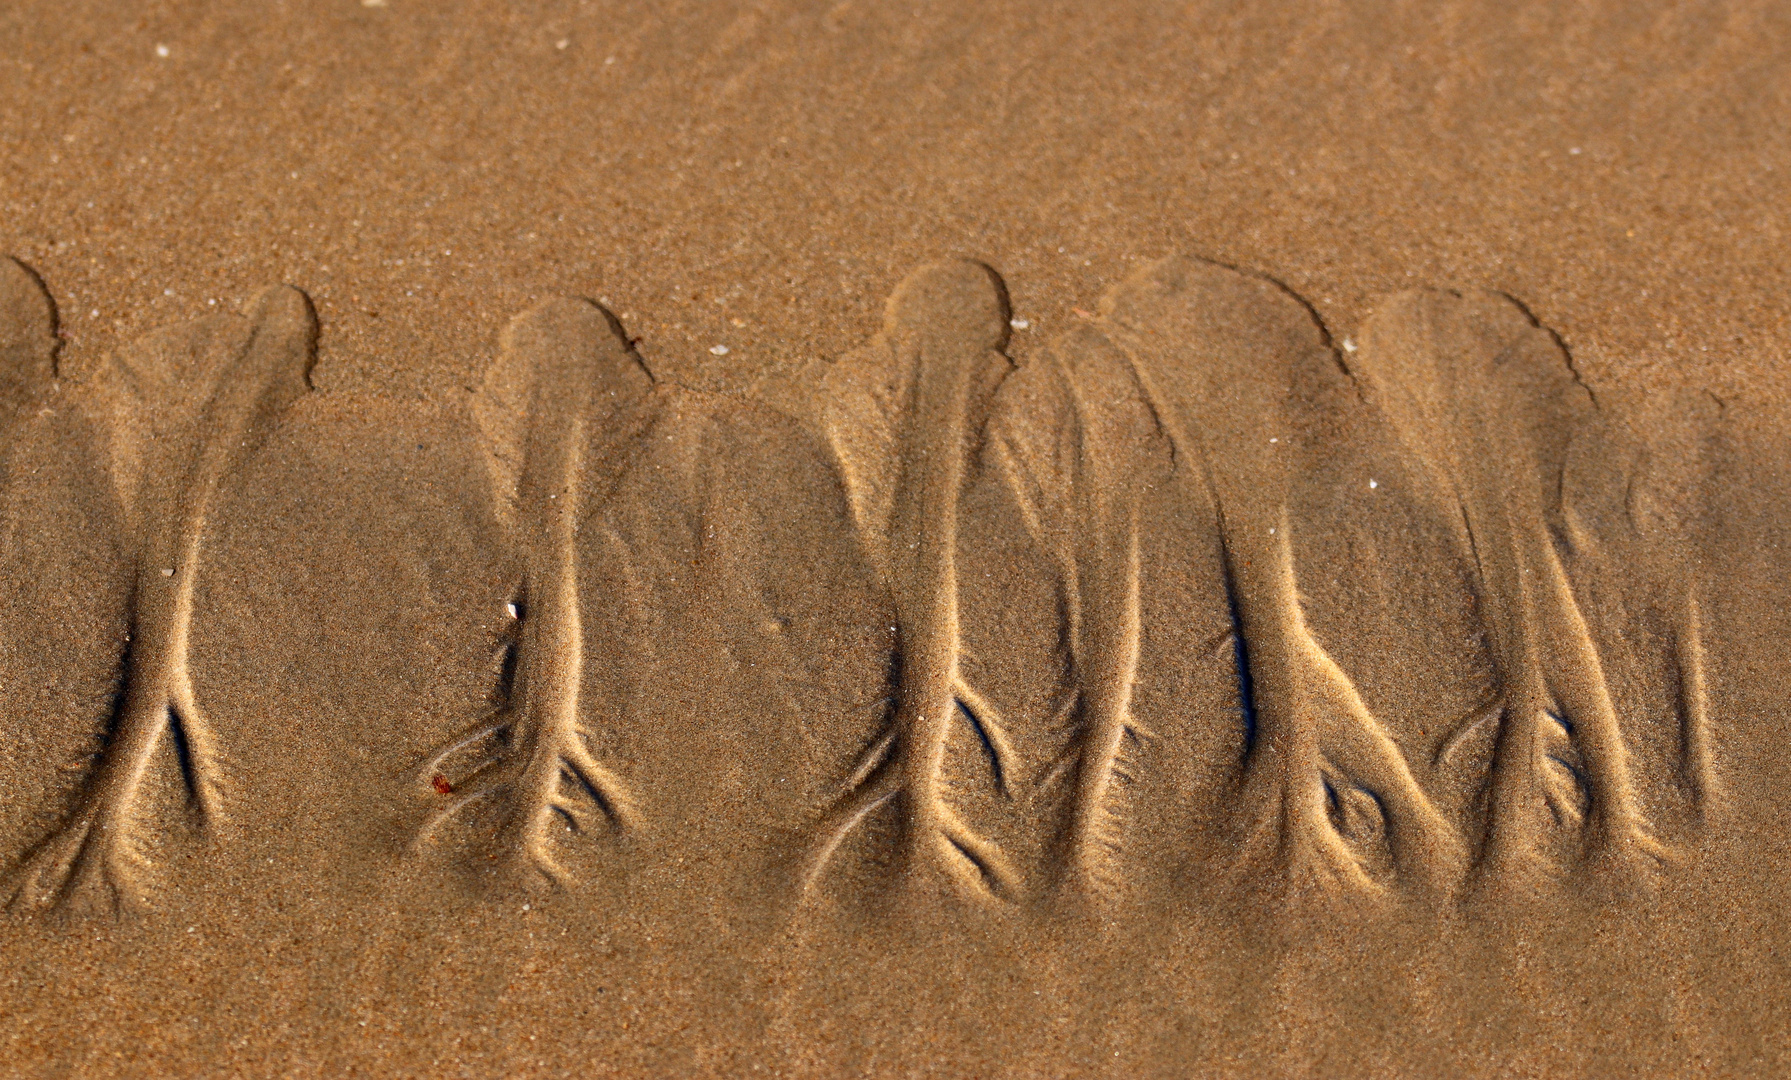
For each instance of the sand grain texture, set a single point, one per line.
(831, 539)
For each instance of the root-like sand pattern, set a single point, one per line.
(1196, 388)
(1487, 403)
(565, 379)
(904, 417)
(177, 414)
(1188, 387)
(1635, 517)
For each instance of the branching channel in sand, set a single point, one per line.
(566, 384)
(1198, 393)
(1636, 516)
(1486, 402)
(1185, 389)
(1077, 448)
(177, 413)
(903, 417)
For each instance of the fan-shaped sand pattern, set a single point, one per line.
(1636, 510)
(177, 413)
(1095, 653)
(1189, 388)
(565, 381)
(1078, 448)
(904, 418)
(1486, 401)
(1197, 386)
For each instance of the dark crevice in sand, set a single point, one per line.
(33, 337)
(1240, 649)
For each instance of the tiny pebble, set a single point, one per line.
(719, 350)
(1018, 324)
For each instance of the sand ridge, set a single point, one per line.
(566, 376)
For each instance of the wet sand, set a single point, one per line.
(712, 539)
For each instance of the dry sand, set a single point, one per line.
(862, 539)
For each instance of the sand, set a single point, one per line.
(849, 539)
